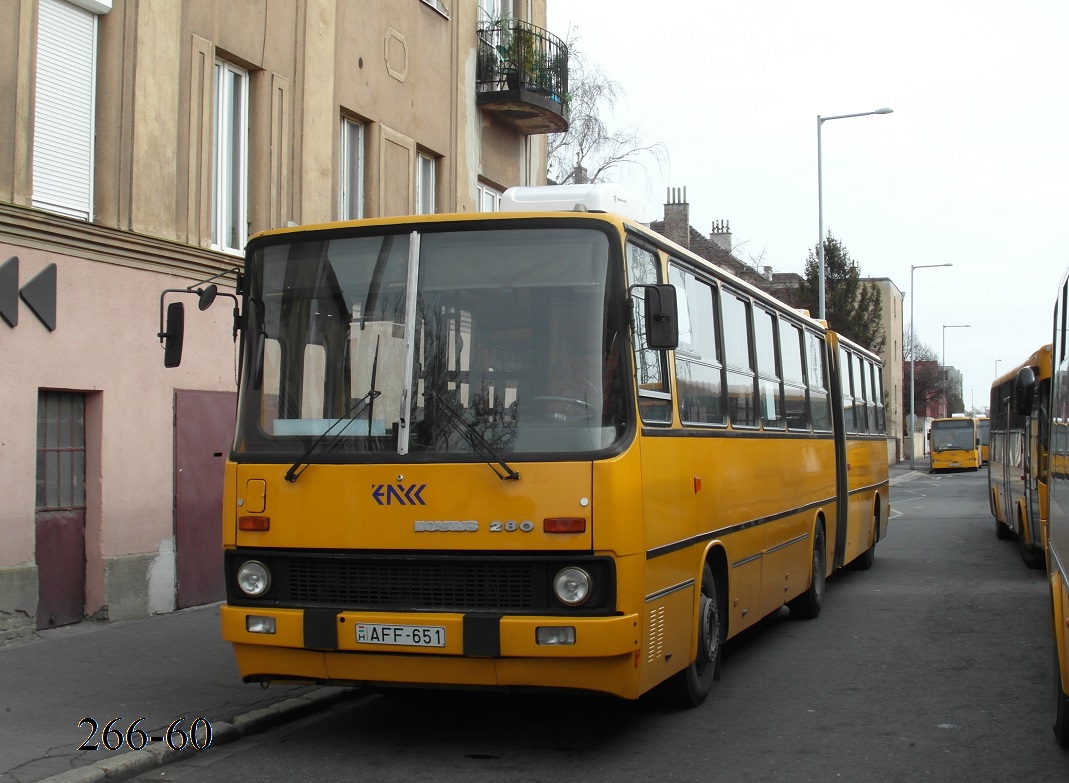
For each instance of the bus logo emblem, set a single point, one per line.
(389, 494)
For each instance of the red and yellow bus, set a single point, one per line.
(537, 448)
(954, 443)
(1017, 469)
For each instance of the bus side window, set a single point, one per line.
(817, 379)
(699, 374)
(768, 379)
(742, 408)
(794, 405)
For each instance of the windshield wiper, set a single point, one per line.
(350, 416)
(477, 442)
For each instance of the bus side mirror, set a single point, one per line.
(662, 317)
(1024, 391)
(173, 335)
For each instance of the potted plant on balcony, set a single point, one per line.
(518, 52)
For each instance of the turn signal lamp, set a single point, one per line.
(254, 524)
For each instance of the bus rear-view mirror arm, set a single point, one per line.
(172, 333)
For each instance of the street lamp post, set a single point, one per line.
(943, 358)
(820, 201)
(913, 361)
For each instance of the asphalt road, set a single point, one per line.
(934, 665)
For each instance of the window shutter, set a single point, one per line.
(63, 110)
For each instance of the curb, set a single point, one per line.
(137, 762)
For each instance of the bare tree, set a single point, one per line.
(929, 383)
(589, 150)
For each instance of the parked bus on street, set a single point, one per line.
(983, 426)
(1017, 473)
(954, 444)
(419, 494)
(1050, 409)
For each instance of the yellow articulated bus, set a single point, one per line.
(1017, 472)
(543, 447)
(954, 444)
(983, 426)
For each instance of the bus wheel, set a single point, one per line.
(807, 605)
(1003, 531)
(1061, 709)
(866, 559)
(690, 687)
(1033, 556)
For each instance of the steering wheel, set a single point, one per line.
(546, 401)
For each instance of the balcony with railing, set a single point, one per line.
(522, 76)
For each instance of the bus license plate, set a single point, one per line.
(402, 635)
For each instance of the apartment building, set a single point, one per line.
(144, 141)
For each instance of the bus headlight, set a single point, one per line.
(253, 578)
(572, 586)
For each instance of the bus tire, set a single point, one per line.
(690, 687)
(807, 605)
(1002, 532)
(1032, 555)
(1061, 707)
(865, 560)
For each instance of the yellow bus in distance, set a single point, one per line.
(983, 425)
(954, 444)
(543, 447)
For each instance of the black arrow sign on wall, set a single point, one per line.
(40, 295)
(9, 291)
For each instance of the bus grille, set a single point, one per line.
(427, 586)
(420, 582)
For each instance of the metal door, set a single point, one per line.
(203, 433)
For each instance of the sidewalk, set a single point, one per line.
(899, 471)
(161, 668)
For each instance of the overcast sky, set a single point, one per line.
(971, 168)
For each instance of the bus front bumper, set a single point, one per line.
(479, 649)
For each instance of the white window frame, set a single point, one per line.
(438, 5)
(351, 170)
(425, 184)
(65, 107)
(230, 200)
(489, 198)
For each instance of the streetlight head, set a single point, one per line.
(884, 111)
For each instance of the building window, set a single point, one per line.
(425, 185)
(230, 160)
(64, 107)
(489, 199)
(439, 6)
(351, 195)
(60, 450)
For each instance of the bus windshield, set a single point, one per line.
(954, 435)
(441, 345)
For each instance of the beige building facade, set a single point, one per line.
(143, 142)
